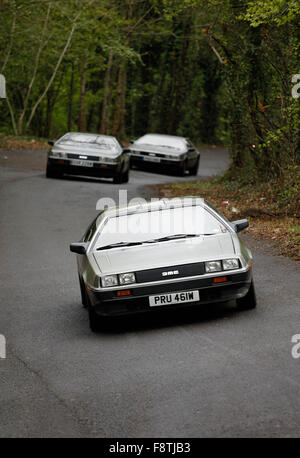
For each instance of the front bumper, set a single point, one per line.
(107, 303)
(105, 170)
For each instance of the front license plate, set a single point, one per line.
(174, 298)
(80, 163)
(151, 159)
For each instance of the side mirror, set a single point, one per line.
(51, 142)
(131, 141)
(240, 224)
(79, 248)
(191, 148)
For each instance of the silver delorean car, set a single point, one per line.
(162, 255)
(167, 152)
(96, 155)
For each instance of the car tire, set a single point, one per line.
(94, 320)
(83, 292)
(132, 165)
(125, 178)
(194, 169)
(53, 172)
(117, 179)
(182, 169)
(247, 302)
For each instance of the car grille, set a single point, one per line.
(170, 272)
(85, 158)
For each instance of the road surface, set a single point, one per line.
(213, 372)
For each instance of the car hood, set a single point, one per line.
(164, 254)
(156, 149)
(84, 150)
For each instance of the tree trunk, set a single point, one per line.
(60, 59)
(176, 102)
(82, 108)
(70, 101)
(104, 125)
(118, 129)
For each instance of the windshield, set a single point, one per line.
(91, 141)
(153, 225)
(161, 140)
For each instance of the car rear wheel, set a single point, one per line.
(53, 172)
(247, 302)
(194, 169)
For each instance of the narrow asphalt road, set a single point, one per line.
(211, 372)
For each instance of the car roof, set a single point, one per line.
(164, 136)
(91, 134)
(161, 204)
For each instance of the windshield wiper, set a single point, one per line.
(173, 237)
(116, 245)
(161, 239)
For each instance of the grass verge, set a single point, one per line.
(8, 142)
(272, 207)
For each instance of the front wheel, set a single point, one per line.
(94, 320)
(247, 302)
(125, 178)
(182, 169)
(194, 169)
(83, 292)
(53, 172)
(117, 179)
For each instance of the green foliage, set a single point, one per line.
(218, 71)
(279, 12)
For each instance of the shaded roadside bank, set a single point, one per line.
(272, 208)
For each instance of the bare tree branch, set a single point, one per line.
(13, 120)
(36, 64)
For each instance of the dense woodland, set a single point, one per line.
(218, 71)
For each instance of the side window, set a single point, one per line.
(218, 213)
(89, 234)
(91, 230)
(189, 144)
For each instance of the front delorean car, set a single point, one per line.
(163, 254)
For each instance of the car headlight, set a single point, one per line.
(109, 159)
(125, 279)
(230, 264)
(57, 154)
(213, 266)
(109, 280)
